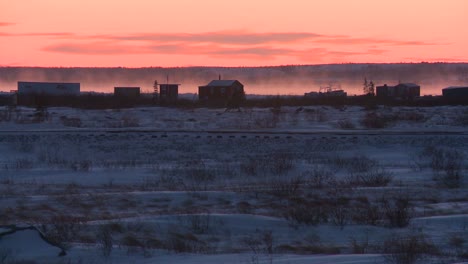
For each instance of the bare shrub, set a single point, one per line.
(24, 164)
(363, 171)
(374, 177)
(374, 120)
(311, 244)
(319, 177)
(340, 212)
(61, 231)
(132, 243)
(6, 256)
(5, 115)
(446, 164)
(199, 223)
(316, 115)
(285, 186)
(130, 121)
(105, 240)
(359, 247)
(71, 121)
(346, 124)
(278, 164)
(268, 120)
(398, 211)
(197, 176)
(457, 242)
(250, 166)
(359, 163)
(82, 165)
(166, 181)
(367, 213)
(408, 249)
(180, 242)
(462, 118)
(303, 212)
(281, 163)
(261, 242)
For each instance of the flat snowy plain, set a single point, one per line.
(314, 184)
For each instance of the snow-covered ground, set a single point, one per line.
(313, 184)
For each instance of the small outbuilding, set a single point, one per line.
(220, 91)
(128, 92)
(168, 92)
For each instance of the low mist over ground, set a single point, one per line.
(294, 79)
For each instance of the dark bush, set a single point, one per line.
(408, 249)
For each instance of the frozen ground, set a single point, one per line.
(290, 185)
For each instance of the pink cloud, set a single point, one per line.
(5, 24)
(230, 44)
(348, 40)
(38, 34)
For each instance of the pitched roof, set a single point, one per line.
(221, 83)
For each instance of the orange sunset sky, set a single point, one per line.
(141, 33)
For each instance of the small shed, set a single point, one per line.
(220, 90)
(168, 92)
(129, 92)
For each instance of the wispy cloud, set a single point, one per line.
(249, 38)
(95, 48)
(229, 44)
(220, 37)
(38, 34)
(5, 24)
(264, 52)
(349, 40)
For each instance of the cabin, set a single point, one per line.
(127, 92)
(168, 93)
(400, 91)
(220, 91)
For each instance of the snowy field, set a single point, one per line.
(312, 184)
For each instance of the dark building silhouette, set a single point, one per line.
(48, 88)
(128, 92)
(401, 91)
(455, 92)
(168, 92)
(45, 93)
(220, 91)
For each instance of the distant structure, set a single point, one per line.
(220, 91)
(326, 91)
(169, 92)
(128, 92)
(48, 89)
(400, 91)
(455, 93)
